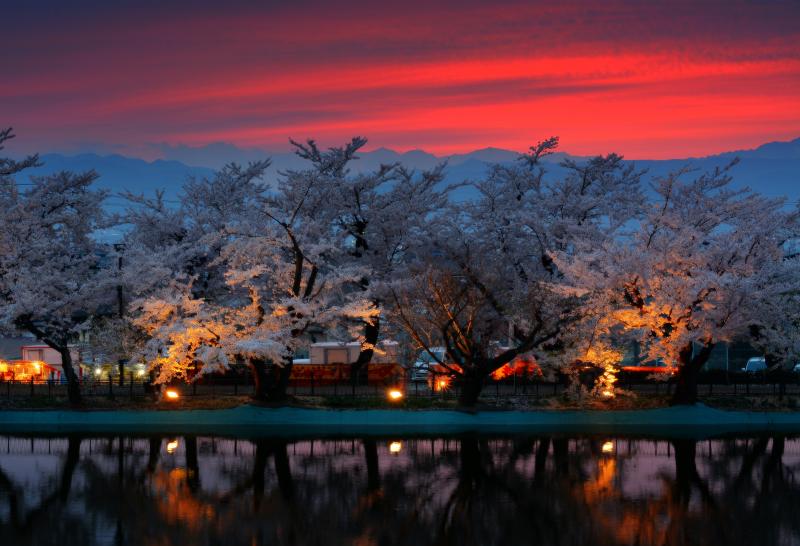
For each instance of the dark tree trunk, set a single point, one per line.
(73, 383)
(258, 367)
(471, 387)
(278, 381)
(371, 332)
(689, 369)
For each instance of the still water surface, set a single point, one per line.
(399, 491)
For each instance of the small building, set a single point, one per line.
(23, 359)
(331, 361)
(337, 352)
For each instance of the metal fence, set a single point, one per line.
(211, 387)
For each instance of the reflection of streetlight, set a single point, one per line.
(172, 445)
(395, 447)
(608, 447)
(395, 395)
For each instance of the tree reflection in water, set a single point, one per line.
(459, 491)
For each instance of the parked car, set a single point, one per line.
(755, 365)
(424, 362)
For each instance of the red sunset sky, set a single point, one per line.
(647, 79)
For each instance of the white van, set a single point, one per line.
(755, 364)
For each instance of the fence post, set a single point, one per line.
(194, 388)
(235, 385)
(110, 387)
(312, 383)
(31, 387)
(130, 385)
(50, 388)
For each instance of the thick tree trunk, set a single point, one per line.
(371, 332)
(689, 369)
(73, 382)
(278, 383)
(471, 387)
(271, 380)
(258, 367)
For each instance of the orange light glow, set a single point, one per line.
(441, 384)
(395, 447)
(608, 447)
(172, 394)
(520, 366)
(395, 395)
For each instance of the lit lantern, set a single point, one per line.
(172, 445)
(608, 447)
(395, 395)
(395, 447)
(172, 394)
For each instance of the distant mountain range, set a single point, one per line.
(772, 169)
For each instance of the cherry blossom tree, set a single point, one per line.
(375, 217)
(706, 263)
(486, 285)
(52, 277)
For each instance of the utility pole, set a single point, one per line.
(119, 248)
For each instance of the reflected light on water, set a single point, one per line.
(419, 491)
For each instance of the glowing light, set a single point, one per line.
(441, 384)
(37, 367)
(172, 394)
(395, 395)
(395, 447)
(139, 373)
(608, 394)
(98, 372)
(608, 447)
(172, 445)
(520, 366)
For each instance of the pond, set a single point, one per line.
(469, 490)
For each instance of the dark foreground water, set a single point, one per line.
(409, 491)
